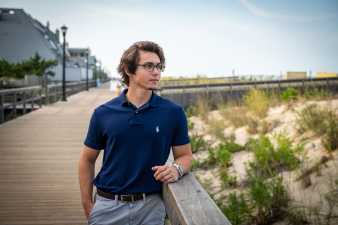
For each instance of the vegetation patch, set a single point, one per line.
(269, 159)
(257, 102)
(290, 94)
(322, 122)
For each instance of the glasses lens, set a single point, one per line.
(149, 66)
(160, 67)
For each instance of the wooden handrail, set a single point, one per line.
(187, 203)
(16, 90)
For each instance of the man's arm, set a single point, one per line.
(182, 156)
(87, 160)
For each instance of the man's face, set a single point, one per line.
(144, 77)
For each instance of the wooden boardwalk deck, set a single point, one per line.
(39, 155)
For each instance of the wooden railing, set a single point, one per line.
(26, 99)
(187, 203)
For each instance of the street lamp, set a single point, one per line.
(87, 65)
(64, 31)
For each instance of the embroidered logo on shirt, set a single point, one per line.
(157, 129)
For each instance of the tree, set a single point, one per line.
(33, 66)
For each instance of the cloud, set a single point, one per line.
(258, 11)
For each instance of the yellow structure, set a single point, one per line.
(325, 75)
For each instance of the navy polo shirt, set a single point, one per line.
(134, 140)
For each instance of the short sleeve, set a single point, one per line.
(180, 136)
(95, 138)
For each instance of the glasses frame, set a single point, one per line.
(158, 66)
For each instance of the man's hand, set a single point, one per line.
(165, 173)
(86, 175)
(87, 206)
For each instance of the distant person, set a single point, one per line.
(115, 86)
(136, 131)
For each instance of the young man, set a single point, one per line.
(136, 131)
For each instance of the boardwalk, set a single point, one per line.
(39, 154)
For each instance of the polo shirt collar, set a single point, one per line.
(153, 101)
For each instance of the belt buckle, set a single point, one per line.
(127, 197)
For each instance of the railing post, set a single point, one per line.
(46, 92)
(32, 100)
(24, 102)
(14, 104)
(2, 109)
(40, 99)
(279, 87)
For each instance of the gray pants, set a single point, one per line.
(150, 211)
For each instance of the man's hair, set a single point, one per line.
(131, 57)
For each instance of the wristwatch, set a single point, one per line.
(179, 169)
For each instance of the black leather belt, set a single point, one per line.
(125, 198)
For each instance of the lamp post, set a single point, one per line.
(87, 65)
(64, 31)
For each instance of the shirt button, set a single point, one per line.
(136, 112)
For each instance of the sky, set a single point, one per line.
(202, 37)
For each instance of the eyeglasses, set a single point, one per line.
(151, 66)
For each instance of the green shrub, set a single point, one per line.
(231, 146)
(311, 118)
(290, 94)
(264, 156)
(226, 179)
(285, 153)
(195, 164)
(190, 124)
(323, 122)
(269, 159)
(223, 156)
(330, 138)
(280, 198)
(257, 102)
(211, 160)
(237, 210)
(269, 197)
(198, 143)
